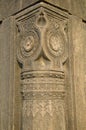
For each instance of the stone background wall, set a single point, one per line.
(9, 78)
(75, 7)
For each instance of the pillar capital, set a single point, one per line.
(42, 51)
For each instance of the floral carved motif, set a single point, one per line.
(43, 36)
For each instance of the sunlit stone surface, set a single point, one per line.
(42, 65)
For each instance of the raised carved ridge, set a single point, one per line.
(39, 74)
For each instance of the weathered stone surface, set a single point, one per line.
(6, 75)
(75, 7)
(42, 65)
(78, 40)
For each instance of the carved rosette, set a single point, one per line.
(42, 50)
(56, 44)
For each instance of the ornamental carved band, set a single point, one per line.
(42, 52)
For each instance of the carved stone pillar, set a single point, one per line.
(42, 53)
